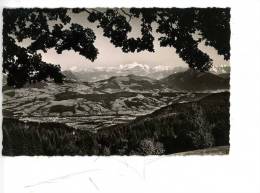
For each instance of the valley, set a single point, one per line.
(109, 106)
(70, 105)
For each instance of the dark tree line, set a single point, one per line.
(175, 25)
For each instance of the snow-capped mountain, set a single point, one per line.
(135, 65)
(101, 73)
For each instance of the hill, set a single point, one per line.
(178, 127)
(127, 83)
(192, 80)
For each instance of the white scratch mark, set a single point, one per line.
(94, 184)
(53, 180)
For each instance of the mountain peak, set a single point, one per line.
(134, 65)
(195, 80)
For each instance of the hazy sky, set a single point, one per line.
(109, 55)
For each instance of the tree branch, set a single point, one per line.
(97, 10)
(88, 11)
(129, 15)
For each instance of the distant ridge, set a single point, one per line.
(127, 83)
(155, 72)
(189, 80)
(195, 81)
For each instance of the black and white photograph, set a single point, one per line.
(116, 81)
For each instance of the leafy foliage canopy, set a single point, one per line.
(176, 28)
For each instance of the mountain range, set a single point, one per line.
(189, 80)
(101, 73)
